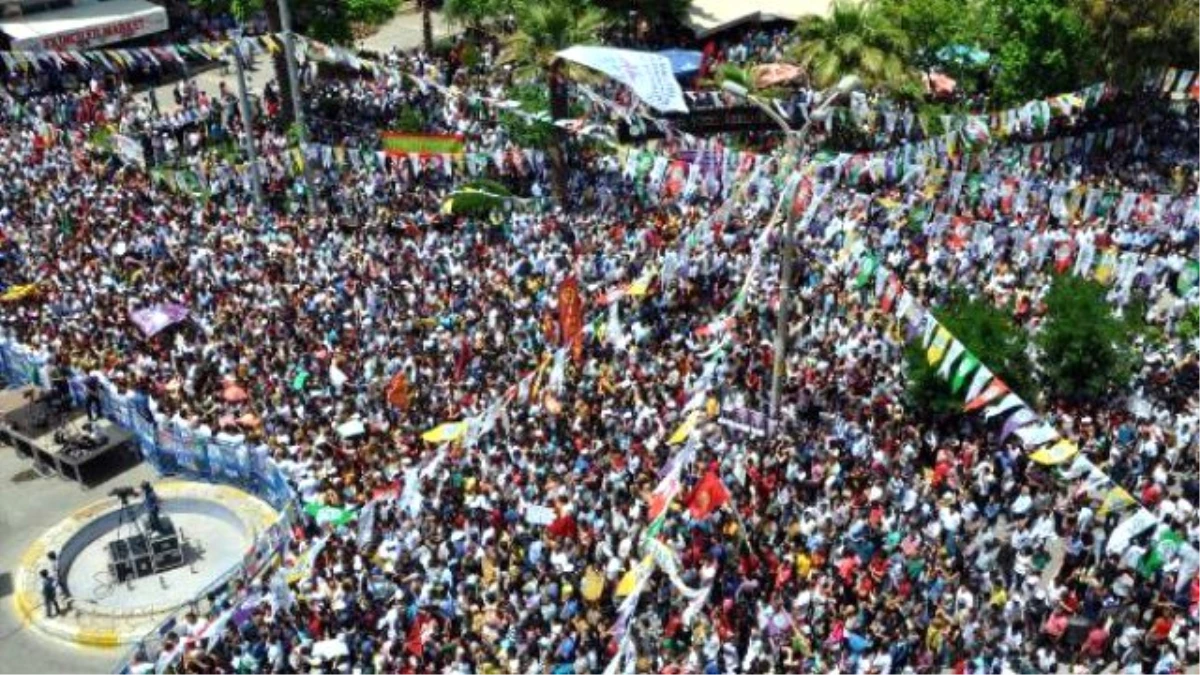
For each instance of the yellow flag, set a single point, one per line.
(641, 286)
(627, 583)
(937, 349)
(446, 433)
(685, 429)
(1117, 498)
(592, 586)
(15, 293)
(1056, 454)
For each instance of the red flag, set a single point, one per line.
(994, 391)
(464, 357)
(397, 391)
(420, 633)
(570, 315)
(708, 496)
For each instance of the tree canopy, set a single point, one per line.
(991, 335)
(1085, 349)
(855, 38)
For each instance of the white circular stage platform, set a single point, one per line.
(217, 526)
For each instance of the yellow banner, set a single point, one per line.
(445, 433)
(1055, 454)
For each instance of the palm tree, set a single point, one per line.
(854, 39)
(474, 15)
(426, 25)
(545, 27)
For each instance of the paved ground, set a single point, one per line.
(30, 505)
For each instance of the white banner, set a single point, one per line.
(649, 75)
(129, 150)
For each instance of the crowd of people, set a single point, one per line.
(858, 536)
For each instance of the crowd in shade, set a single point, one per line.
(851, 536)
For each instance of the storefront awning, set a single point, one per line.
(86, 25)
(706, 17)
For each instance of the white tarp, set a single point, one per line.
(649, 75)
(85, 25)
(706, 17)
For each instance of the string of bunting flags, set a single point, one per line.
(129, 58)
(985, 392)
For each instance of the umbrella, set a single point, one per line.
(939, 84)
(234, 394)
(963, 55)
(684, 62)
(772, 74)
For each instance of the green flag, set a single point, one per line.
(329, 514)
(966, 366)
(1189, 277)
(866, 270)
(1156, 557)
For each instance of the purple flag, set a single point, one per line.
(153, 320)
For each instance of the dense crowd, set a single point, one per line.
(857, 538)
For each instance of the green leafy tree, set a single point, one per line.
(545, 27)
(658, 18)
(991, 335)
(475, 15)
(1085, 349)
(932, 25)
(371, 12)
(1189, 325)
(1041, 47)
(1135, 35)
(854, 39)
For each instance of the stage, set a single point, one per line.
(30, 423)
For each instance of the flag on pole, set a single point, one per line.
(708, 496)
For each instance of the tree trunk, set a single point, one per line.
(426, 25)
(558, 111)
(279, 61)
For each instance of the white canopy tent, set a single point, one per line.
(707, 17)
(85, 25)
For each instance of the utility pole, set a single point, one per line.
(797, 141)
(247, 122)
(289, 52)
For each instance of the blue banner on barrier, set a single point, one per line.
(168, 446)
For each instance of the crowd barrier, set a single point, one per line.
(174, 448)
(150, 655)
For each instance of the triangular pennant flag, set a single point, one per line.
(956, 350)
(965, 367)
(937, 349)
(929, 328)
(981, 379)
(1018, 419)
(1036, 435)
(1055, 454)
(1115, 499)
(995, 390)
(1003, 405)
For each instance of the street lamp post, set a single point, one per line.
(795, 139)
(247, 122)
(289, 51)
